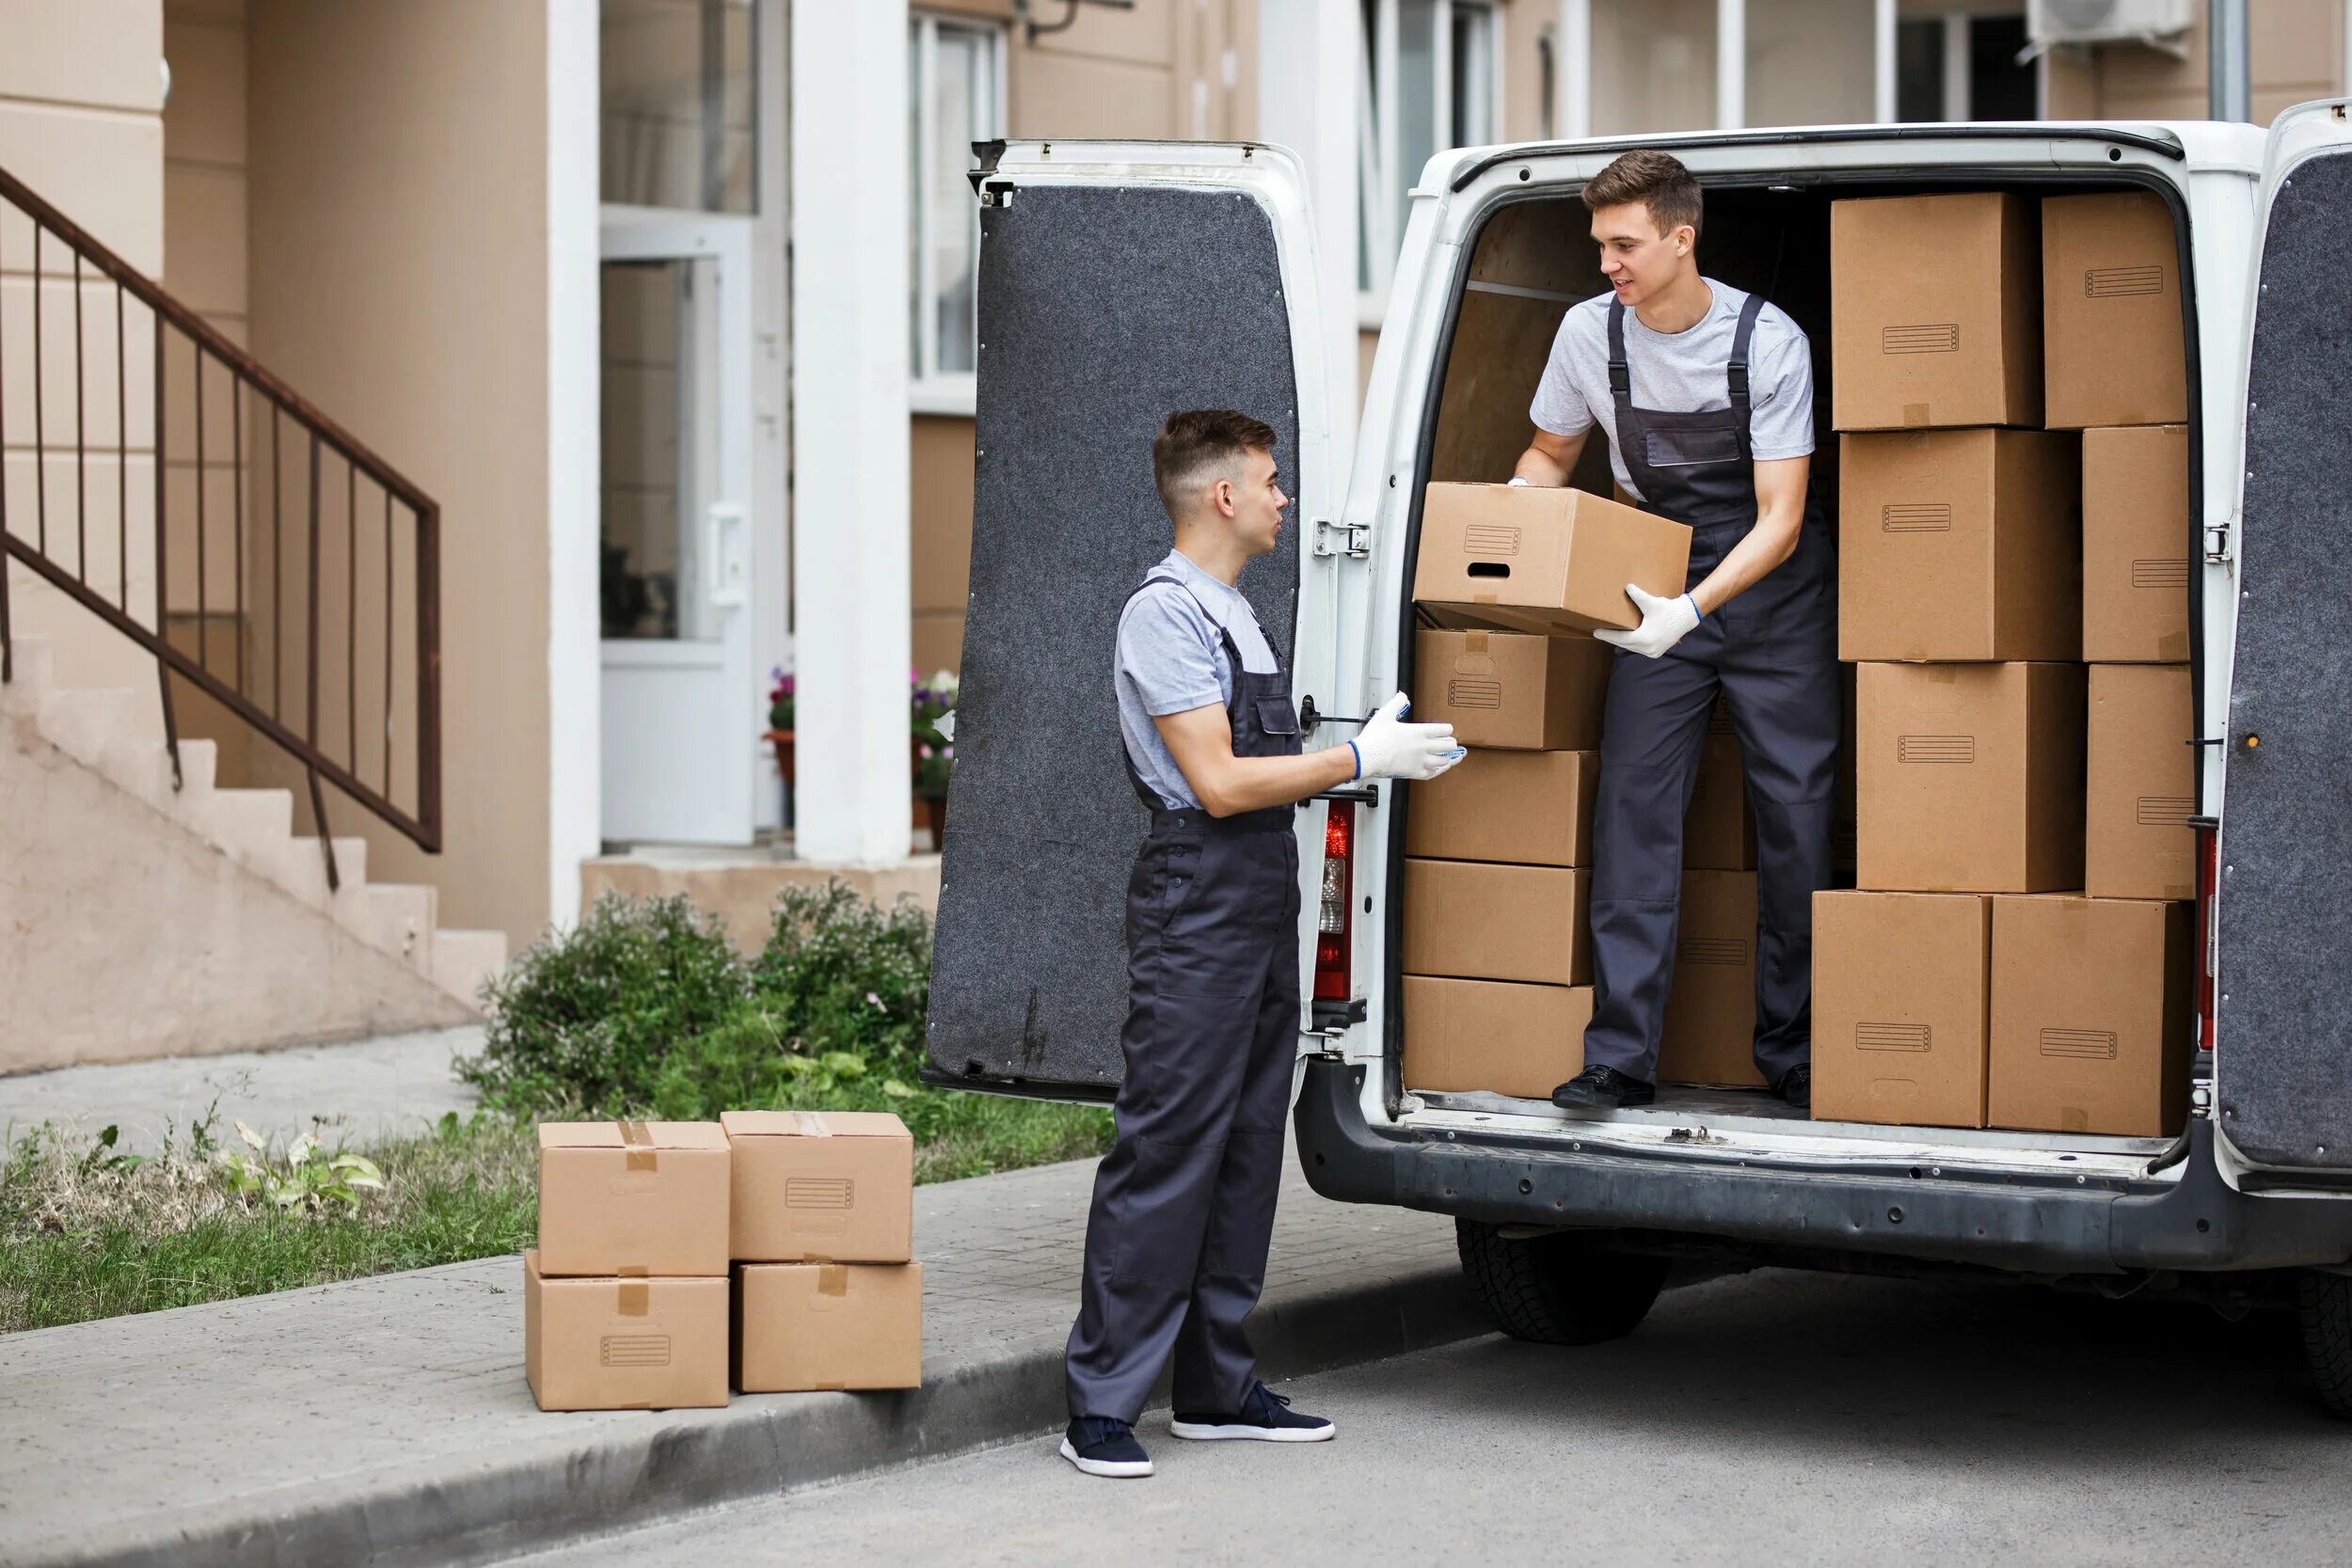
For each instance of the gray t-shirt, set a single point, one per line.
(1171, 660)
(1680, 373)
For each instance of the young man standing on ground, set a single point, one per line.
(1183, 1204)
(1707, 394)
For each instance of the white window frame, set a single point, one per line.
(1376, 135)
(931, 390)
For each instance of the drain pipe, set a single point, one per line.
(2230, 84)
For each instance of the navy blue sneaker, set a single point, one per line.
(1265, 1416)
(1102, 1447)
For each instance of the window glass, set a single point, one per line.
(1428, 85)
(679, 109)
(952, 75)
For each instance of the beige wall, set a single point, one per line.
(397, 226)
(1653, 66)
(2295, 53)
(942, 457)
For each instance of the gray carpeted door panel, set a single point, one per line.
(1102, 311)
(2285, 1040)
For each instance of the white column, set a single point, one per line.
(1309, 61)
(1573, 114)
(1883, 107)
(849, 431)
(1731, 64)
(1956, 95)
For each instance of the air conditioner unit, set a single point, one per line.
(2050, 23)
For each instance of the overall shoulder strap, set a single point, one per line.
(1736, 371)
(1620, 375)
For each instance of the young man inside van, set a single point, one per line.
(1183, 1203)
(1705, 397)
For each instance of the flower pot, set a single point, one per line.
(933, 812)
(782, 741)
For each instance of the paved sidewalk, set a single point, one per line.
(386, 1420)
(355, 1091)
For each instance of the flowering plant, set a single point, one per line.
(780, 700)
(934, 755)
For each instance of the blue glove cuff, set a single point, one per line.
(1360, 761)
(1695, 610)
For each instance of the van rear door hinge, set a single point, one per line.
(2216, 544)
(1347, 539)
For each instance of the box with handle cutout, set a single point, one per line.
(1531, 558)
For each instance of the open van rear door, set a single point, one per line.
(2282, 1050)
(1118, 282)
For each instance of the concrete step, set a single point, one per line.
(250, 826)
(463, 959)
(97, 727)
(397, 918)
(145, 769)
(35, 661)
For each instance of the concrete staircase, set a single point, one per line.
(252, 828)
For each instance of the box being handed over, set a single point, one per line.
(832, 1186)
(1538, 558)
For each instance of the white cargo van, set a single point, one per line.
(1119, 281)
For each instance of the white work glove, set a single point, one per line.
(1387, 747)
(1517, 479)
(1664, 623)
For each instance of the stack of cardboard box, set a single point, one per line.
(628, 1300)
(1987, 550)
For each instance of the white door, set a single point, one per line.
(681, 708)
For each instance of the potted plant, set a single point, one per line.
(934, 755)
(780, 721)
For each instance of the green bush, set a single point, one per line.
(842, 975)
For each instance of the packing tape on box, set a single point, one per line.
(636, 1298)
(1917, 414)
(637, 1140)
(633, 1271)
(810, 1124)
(833, 1279)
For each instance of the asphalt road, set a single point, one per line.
(1762, 1419)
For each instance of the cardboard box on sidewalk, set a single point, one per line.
(1970, 777)
(1538, 558)
(2091, 1016)
(1959, 545)
(2136, 544)
(633, 1198)
(624, 1344)
(831, 1186)
(1902, 989)
(1466, 1037)
(1935, 311)
(1719, 830)
(1511, 689)
(2142, 784)
(804, 1326)
(2111, 311)
(1473, 921)
(1531, 808)
(1710, 1014)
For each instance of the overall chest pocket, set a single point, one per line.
(1691, 447)
(1275, 718)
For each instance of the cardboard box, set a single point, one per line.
(1970, 777)
(1529, 808)
(1719, 830)
(804, 1326)
(1935, 311)
(1473, 921)
(624, 1344)
(633, 1198)
(2141, 783)
(1902, 989)
(2136, 544)
(2111, 311)
(1845, 835)
(1512, 690)
(1539, 559)
(1466, 1037)
(831, 1186)
(2091, 1016)
(1961, 544)
(1710, 1014)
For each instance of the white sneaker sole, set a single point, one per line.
(1200, 1432)
(1115, 1469)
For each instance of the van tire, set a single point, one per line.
(2325, 1307)
(1559, 1289)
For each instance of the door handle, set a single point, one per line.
(725, 575)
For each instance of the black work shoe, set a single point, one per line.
(1796, 1087)
(1103, 1447)
(1265, 1416)
(1602, 1089)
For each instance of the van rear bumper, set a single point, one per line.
(2185, 1218)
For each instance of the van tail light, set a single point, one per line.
(2208, 922)
(1334, 925)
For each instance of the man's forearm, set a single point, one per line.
(1537, 467)
(1772, 541)
(1253, 783)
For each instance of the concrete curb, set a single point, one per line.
(540, 1496)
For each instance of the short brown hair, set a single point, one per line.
(1656, 180)
(1193, 445)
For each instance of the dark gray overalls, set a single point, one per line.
(1772, 652)
(1183, 1203)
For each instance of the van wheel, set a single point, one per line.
(2325, 1309)
(1559, 1289)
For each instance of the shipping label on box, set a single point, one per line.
(624, 1344)
(633, 1198)
(2136, 544)
(1959, 545)
(1476, 921)
(1526, 808)
(1969, 777)
(1936, 310)
(2091, 1016)
(1541, 558)
(800, 1327)
(1709, 1034)
(1472, 1037)
(1901, 987)
(2111, 311)
(832, 1186)
(1719, 829)
(1512, 690)
(2142, 784)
